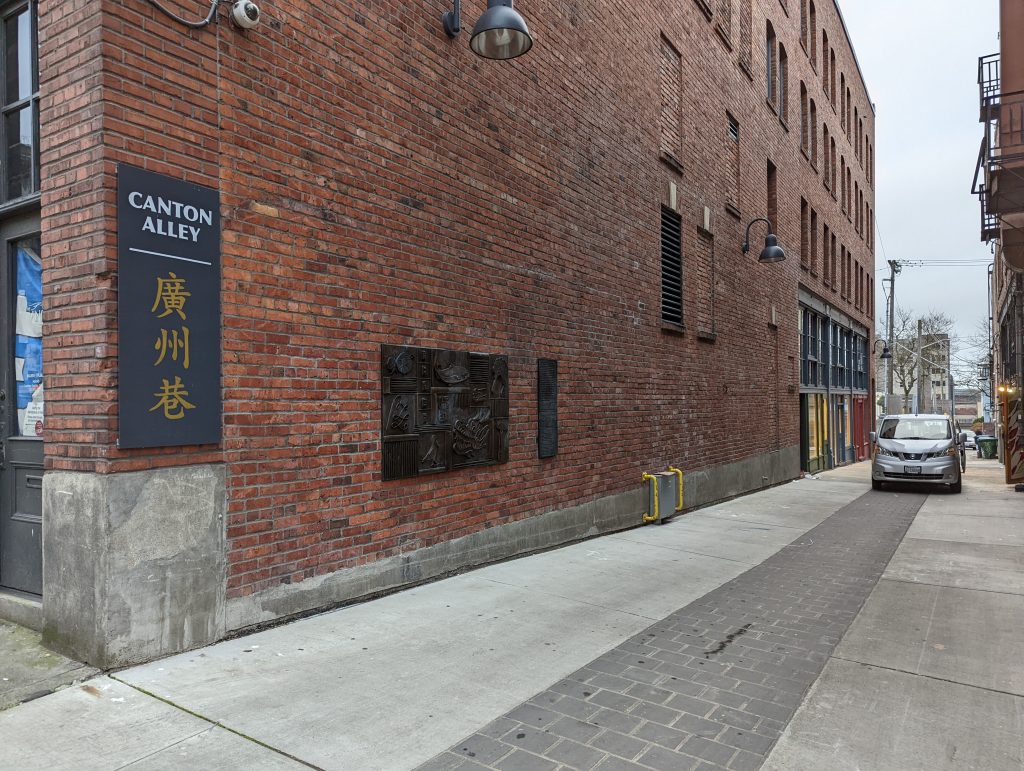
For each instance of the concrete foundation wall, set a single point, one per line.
(728, 481)
(133, 563)
(614, 512)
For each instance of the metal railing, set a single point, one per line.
(1001, 153)
(981, 168)
(989, 221)
(989, 82)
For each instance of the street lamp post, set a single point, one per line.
(886, 356)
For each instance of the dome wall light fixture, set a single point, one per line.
(886, 353)
(772, 252)
(500, 33)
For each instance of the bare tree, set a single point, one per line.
(970, 369)
(903, 346)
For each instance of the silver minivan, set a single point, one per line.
(917, 448)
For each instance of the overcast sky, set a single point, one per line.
(920, 61)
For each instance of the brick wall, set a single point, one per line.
(117, 83)
(80, 297)
(381, 184)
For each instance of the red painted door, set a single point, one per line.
(860, 427)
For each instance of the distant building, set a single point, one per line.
(967, 406)
(935, 374)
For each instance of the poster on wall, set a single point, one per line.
(28, 340)
(168, 255)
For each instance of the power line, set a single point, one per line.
(951, 263)
(881, 243)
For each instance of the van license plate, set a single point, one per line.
(911, 469)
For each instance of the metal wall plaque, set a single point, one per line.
(441, 410)
(547, 408)
(168, 307)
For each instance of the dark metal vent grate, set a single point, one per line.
(547, 408)
(671, 267)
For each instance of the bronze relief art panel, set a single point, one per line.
(442, 410)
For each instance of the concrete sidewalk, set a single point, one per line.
(931, 674)
(391, 683)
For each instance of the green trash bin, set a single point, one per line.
(986, 446)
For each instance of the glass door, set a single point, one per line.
(21, 302)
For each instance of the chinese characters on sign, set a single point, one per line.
(171, 295)
(169, 311)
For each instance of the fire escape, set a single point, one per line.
(999, 176)
(999, 185)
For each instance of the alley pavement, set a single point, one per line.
(931, 674)
(817, 624)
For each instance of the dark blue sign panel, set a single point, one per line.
(168, 254)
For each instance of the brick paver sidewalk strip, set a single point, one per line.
(713, 685)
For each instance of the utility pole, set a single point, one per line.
(894, 268)
(917, 377)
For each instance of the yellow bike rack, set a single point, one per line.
(655, 516)
(679, 499)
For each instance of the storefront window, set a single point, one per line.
(20, 125)
(847, 433)
(813, 446)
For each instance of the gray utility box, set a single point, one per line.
(668, 495)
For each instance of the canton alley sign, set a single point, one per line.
(168, 257)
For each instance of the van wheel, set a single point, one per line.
(876, 485)
(955, 488)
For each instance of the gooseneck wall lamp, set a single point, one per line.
(886, 353)
(501, 33)
(772, 252)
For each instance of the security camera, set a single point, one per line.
(245, 13)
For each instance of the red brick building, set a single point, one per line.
(388, 204)
(999, 184)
